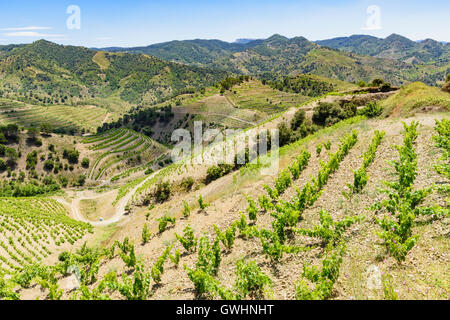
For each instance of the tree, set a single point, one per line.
(33, 133)
(298, 119)
(3, 138)
(285, 134)
(46, 128)
(71, 155)
(85, 163)
(11, 130)
(377, 82)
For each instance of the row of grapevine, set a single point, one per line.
(30, 226)
(402, 206)
(117, 146)
(360, 176)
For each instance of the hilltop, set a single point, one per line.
(393, 47)
(281, 55)
(44, 72)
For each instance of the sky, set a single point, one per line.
(129, 23)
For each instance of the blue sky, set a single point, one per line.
(138, 23)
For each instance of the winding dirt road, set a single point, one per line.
(119, 207)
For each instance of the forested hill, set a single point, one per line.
(393, 47)
(55, 74)
(284, 56)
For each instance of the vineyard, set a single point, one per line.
(65, 118)
(366, 219)
(34, 229)
(120, 148)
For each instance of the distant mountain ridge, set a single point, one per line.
(360, 57)
(393, 47)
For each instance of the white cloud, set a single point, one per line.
(33, 34)
(104, 38)
(26, 28)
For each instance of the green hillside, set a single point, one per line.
(393, 47)
(287, 57)
(44, 72)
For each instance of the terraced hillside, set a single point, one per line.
(285, 229)
(120, 149)
(34, 230)
(62, 118)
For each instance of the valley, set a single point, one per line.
(94, 207)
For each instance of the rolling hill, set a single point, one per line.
(280, 55)
(393, 47)
(44, 72)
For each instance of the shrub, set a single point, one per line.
(162, 192)
(216, 172)
(48, 165)
(81, 180)
(283, 181)
(323, 279)
(299, 119)
(187, 183)
(71, 155)
(371, 110)
(85, 163)
(32, 159)
(285, 134)
(319, 149)
(209, 257)
(327, 113)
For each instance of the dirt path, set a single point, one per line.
(90, 195)
(223, 115)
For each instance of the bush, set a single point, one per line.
(187, 183)
(298, 120)
(85, 163)
(71, 155)
(186, 209)
(202, 204)
(32, 160)
(285, 134)
(216, 172)
(49, 165)
(371, 110)
(162, 192)
(81, 180)
(361, 84)
(327, 113)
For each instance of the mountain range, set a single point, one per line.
(52, 73)
(393, 47)
(359, 57)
